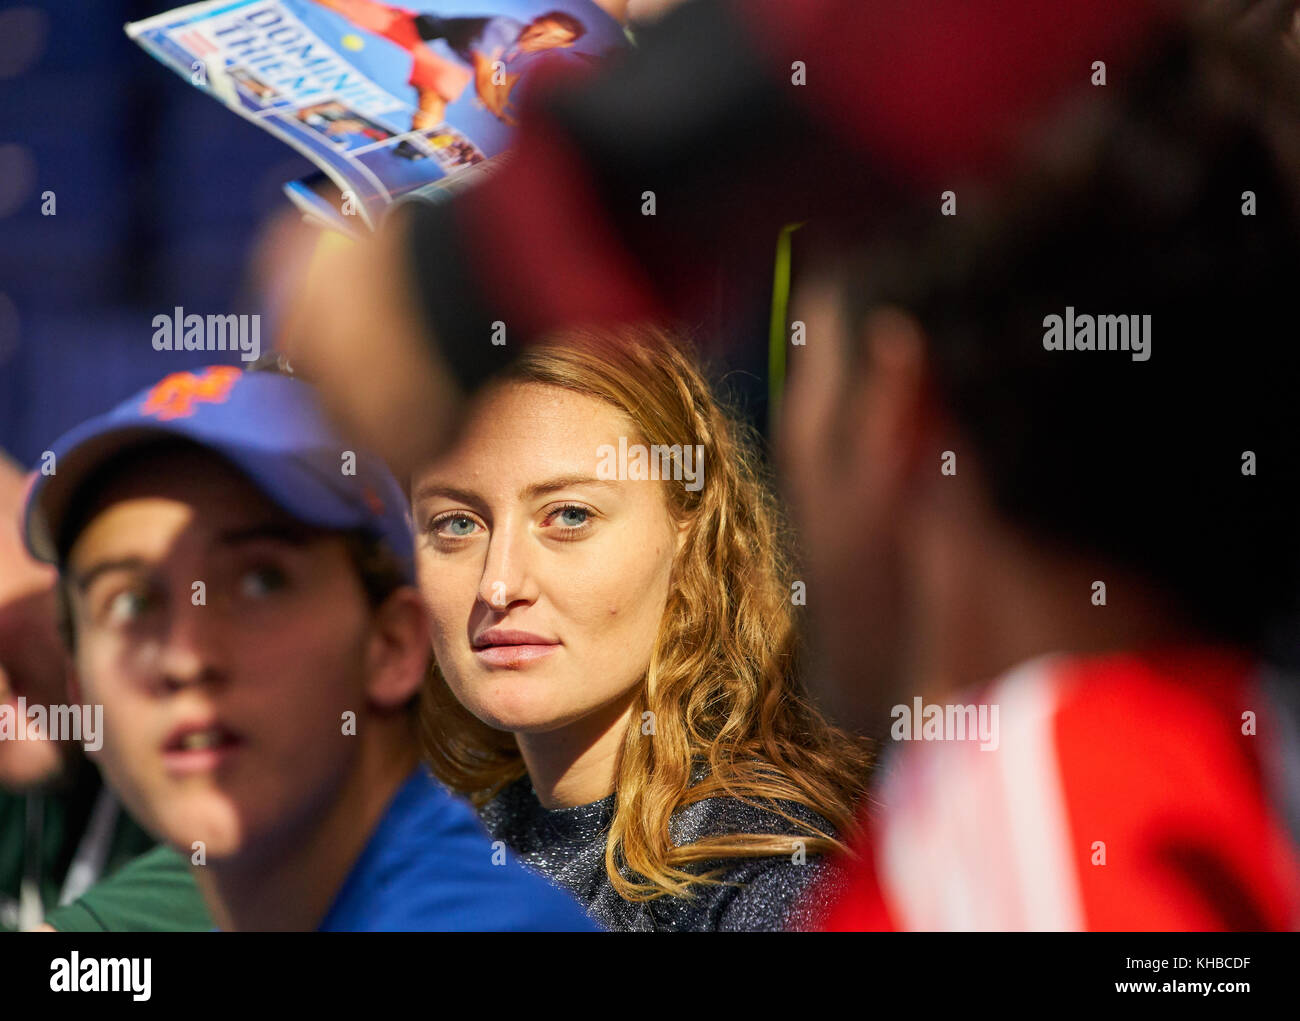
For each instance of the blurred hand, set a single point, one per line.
(642, 11)
(352, 328)
(637, 11)
(496, 97)
(33, 663)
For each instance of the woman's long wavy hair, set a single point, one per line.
(722, 681)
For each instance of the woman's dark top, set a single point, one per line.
(567, 846)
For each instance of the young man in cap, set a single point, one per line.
(238, 587)
(1049, 571)
(64, 839)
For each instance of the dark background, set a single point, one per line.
(160, 194)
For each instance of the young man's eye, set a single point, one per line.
(260, 582)
(126, 606)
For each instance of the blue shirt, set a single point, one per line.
(428, 866)
(500, 36)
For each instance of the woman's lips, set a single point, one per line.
(508, 648)
(513, 655)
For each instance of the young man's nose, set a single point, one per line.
(193, 650)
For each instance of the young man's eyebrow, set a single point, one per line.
(82, 580)
(293, 534)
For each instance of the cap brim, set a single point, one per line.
(286, 482)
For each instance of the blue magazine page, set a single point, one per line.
(384, 99)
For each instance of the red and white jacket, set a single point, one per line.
(1127, 792)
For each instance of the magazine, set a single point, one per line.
(385, 100)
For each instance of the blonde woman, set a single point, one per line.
(616, 647)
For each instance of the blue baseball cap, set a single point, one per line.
(271, 427)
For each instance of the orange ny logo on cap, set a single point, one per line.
(175, 396)
(373, 500)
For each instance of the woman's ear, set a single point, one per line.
(399, 649)
(683, 530)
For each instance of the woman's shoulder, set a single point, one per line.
(729, 814)
(773, 893)
(786, 895)
(787, 890)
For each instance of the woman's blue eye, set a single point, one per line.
(261, 581)
(574, 517)
(457, 526)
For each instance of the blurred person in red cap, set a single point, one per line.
(1044, 456)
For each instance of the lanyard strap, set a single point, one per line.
(31, 912)
(87, 863)
(92, 853)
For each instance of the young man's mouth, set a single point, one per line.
(199, 747)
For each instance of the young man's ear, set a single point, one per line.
(891, 408)
(399, 649)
